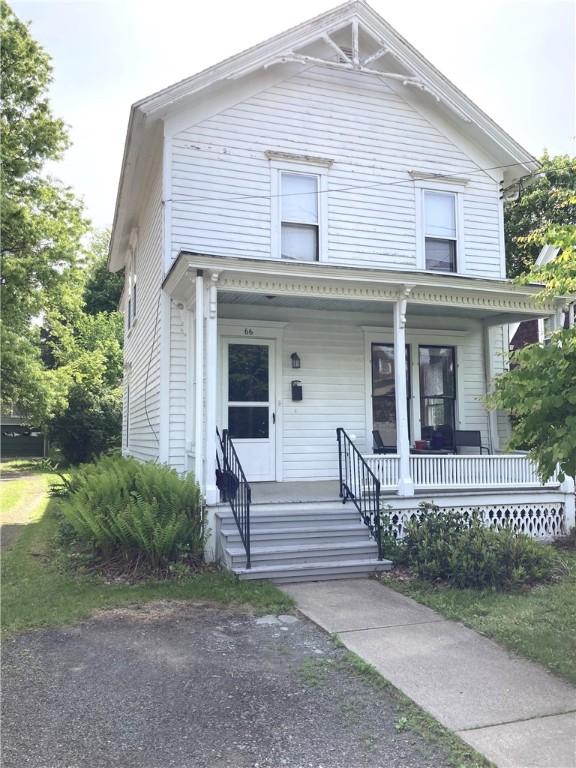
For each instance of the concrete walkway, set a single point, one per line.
(510, 710)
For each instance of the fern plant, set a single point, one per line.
(122, 507)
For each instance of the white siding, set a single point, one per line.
(179, 372)
(142, 343)
(374, 138)
(331, 346)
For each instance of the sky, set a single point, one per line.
(515, 58)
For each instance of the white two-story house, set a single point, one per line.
(312, 237)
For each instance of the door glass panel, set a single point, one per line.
(247, 421)
(437, 372)
(248, 373)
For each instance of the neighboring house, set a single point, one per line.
(312, 234)
(538, 330)
(18, 439)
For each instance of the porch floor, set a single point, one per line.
(295, 491)
(310, 491)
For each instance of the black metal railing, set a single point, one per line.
(234, 487)
(359, 484)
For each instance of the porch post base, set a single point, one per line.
(567, 487)
(212, 495)
(405, 487)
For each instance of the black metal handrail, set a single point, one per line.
(359, 484)
(235, 489)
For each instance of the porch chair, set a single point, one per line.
(379, 446)
(469, 438)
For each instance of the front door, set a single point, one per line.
(249, 405)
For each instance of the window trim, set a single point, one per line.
(457, 189)
(277, 167)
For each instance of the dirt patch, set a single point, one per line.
(175, 685)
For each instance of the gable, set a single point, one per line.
(351, 38)
(374, 141)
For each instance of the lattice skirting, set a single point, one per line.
(541, 521)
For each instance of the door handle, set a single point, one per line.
(273, 418)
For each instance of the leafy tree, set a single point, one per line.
(103, 288)
(549, 200)
(539, 390)
(42, 221)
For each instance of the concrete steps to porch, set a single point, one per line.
(305, 541)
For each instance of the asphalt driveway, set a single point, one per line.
(170, 684)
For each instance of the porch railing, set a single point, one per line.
(235, 489)
(359, 484)
(460, 471)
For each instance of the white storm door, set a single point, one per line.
(249, 405)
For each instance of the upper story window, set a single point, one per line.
(299, 206)
(300, 235)
(439, 207)
(440, 231)
(131, 283)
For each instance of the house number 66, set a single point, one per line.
(248, 332)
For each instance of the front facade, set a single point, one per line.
(312, 234)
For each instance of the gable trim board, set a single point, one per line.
(480, 128)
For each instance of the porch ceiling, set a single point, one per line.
(270, 282)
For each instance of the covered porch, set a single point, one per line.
(247, 315)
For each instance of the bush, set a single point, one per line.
(90, 425)
(465, 553)
(119, 507)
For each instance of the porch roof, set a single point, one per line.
(320, 285)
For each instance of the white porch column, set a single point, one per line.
(211, 390)
(199, 381)
(567, 487)
(489, 375)
(405, 483)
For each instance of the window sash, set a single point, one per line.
(299, 200)
(438, 388)
(293, 250)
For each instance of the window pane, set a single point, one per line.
(248, 373)
(299, 243)
(441, 255)
(436, 412)
(248, 421)
(440, 213)
(384, 416)
(383, 372)
(299, 198)
(437, 370)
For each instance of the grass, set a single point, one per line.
(538, 623)
(36, 593)
(408, 715)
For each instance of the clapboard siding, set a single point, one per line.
(178, 389)
(221, 179)
(142, 344)
(333, 369)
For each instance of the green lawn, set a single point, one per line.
(35, 593)
(539, 623)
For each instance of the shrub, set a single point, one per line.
(120, 507)
(90, 425)
(465, 553)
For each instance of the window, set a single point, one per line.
(440, 231)
(299, 217)
(384, 391)
(437, 389)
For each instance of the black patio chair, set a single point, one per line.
(379, 446)
(469, 438)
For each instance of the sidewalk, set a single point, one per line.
(511, 710)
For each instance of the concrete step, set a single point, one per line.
(297, 518)
(270, 537)
(324, 571)
(302, 553)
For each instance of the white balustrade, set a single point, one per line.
(460, 471)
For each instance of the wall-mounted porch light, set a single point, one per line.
(295, 360)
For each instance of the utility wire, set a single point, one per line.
(399, 182)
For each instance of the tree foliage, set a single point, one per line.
(547, 201)
(42, 222)
(539, 390)
(103, 288)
